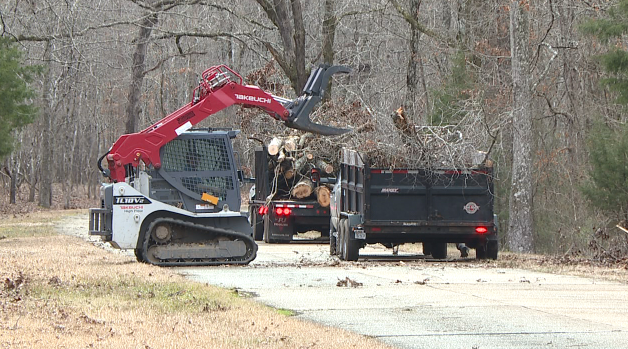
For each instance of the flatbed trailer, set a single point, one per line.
(281, 219)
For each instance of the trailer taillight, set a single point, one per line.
(262, 210)
(283, 211)
(481, 230)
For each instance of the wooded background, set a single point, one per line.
(521, 72)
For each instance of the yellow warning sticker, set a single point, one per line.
(209, 198)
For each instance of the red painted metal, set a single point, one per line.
(220, 88)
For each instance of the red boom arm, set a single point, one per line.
(220, 88)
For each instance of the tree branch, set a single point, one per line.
(420, 27)
(161, 62)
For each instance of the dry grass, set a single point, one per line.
(30, 224)
(60, 291)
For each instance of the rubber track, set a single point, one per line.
(216, 232)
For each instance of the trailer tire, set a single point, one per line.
(481, 251)
(266, 231)
(439, 250)
(427, 248)
(333, 248)
(492, 248)
(257, 222)
(351, 247)
(340, 242)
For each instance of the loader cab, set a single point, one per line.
(198, 173)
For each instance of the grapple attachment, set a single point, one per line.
(313, 93)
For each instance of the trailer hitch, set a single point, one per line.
(312, 94)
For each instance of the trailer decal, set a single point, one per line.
(471, 207)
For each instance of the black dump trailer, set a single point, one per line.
(281, 218)
(395, 206)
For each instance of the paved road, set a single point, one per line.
(422, 304)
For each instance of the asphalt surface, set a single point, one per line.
(415, 303)
(432, 304)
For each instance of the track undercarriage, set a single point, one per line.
(177, 242)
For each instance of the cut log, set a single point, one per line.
(287, 168)
(290, 143)
(304, 139)
(324, 166)
(282, 156)
(274, 146)
(303, 189)
(288, 174)
(323, 195)
(300, 165)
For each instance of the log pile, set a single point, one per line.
(297, 171)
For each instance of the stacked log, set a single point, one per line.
(298, 169)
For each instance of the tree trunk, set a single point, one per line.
(299, 45)
(329, 36)
(520, 226)
(13, 189)
(138, 72)
(292, 58)
(46, 171)
(12, 174)
(33, 179)
(290, 143)
(413, 75)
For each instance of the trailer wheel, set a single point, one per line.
(439, 250)
(332, 241)
(340, 242)
(351, 247)
(480, 251)
(427, 249)
(257, 222)
(266, 231)
(492, 248)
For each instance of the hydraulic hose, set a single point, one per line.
(104, 172)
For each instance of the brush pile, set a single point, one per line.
(388, 140)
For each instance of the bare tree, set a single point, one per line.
(415, 69)
(289, 22)
(138, 68)
(520, 227)
(46, 172)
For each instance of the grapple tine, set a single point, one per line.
(304, 123)
(313, 93)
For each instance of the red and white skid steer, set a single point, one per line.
(173, 193)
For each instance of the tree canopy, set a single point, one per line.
(16, 95)
(615, 61)
(607, 187)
